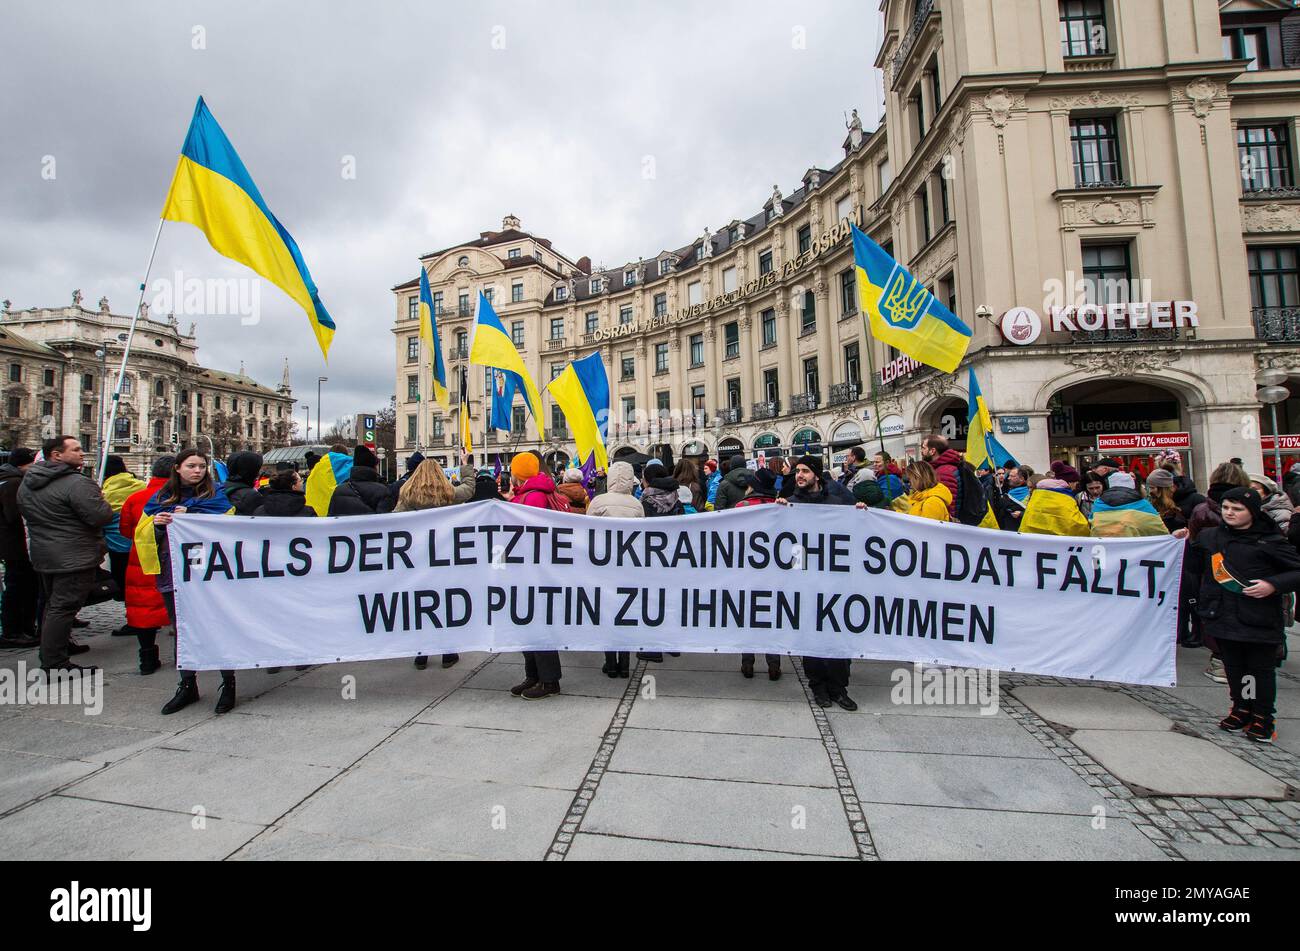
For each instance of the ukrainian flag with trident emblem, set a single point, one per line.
(902, 313)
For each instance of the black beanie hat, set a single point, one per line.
(21, 456)
(812, 462)
(1247, 497)
(413, 460)
(362, 456)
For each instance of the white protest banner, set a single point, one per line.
(827, 581)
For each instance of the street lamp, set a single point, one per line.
(319, 381)
(306, 411)
(1270, 393)
(102, 353)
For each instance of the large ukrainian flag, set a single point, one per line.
(214, 192)
(982, 447)
(491, 347)
(582, 392)
(902, 313)
(429, 333)
(328, 474)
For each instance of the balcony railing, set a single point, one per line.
(804, 402)
(767, 409)
(1124, 335)
(555, 343)
(464, 310)
(923, 10)
(1277, 324)
(1108, 183)
(458, 353)
(732, 414)
(844, 393)
(1284, 192)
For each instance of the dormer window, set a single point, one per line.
(665, 266)
(733, 234)
(596, 285)
(629, 277)
(514, 253)
(771, 213)
(561, 292)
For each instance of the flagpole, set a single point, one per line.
(126, 352)
(875, 391)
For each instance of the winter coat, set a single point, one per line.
(1206, 515)
(945, 467)
(750, 501)
(117, 489)
(576, 494)
(1186, 497)
(842, 493)
(362, 494)
(870, 494)
(280, 503)
(933, 503)
(242, 470)
(732, 489)
(715, 480)
(64, 512)
(144, 605)
(13, 535)
(1278, 507)
(822, 495)
(617, 501)
(1259, 553)
(659, 498)
(536, 492)
(697, 496)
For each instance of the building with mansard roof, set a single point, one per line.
(1104, 192)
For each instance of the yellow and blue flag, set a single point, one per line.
(582, 393)
(982, 448)
(491, 347)
(213, 191)
(504, 385)
(330, 472)
(902, 313)
(466, 440)
(429, 334)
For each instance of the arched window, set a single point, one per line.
(805, 436)
(766, 441)
(464, 261)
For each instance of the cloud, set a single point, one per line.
(453, 115)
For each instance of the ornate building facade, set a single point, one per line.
(1104, 191)
(61, 366)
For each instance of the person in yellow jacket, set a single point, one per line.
(1053, 510)
(929, 497)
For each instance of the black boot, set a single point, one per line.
(421, 661)
(624, 659)
(450, 660)
(226, 698)
(149, 661)
(186, 693)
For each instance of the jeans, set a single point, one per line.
(543, 666)
(65, 593)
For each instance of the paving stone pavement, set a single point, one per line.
(683, 760)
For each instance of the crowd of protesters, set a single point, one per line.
(1242, 563)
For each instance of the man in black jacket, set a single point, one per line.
(19, 612)
(364, 493)
(65, 514)
(828, 677)
(242, 470)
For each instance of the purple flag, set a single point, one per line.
(589, 474)
(496, 470)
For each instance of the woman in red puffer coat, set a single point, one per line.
(145, 609)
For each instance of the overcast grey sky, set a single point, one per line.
(454, 114)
